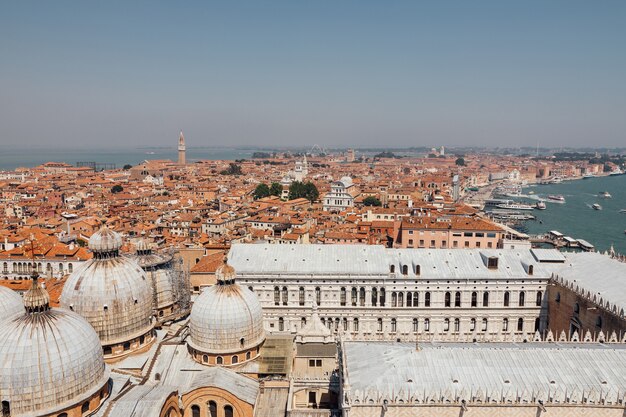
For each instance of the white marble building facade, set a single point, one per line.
(374, 293)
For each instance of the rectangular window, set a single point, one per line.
(421, 243)
(311, 363)
(479, 234)
(491, 235)
(318, 363)
(468, 234)
(410, 242)
(467, 244)
(432, 243)
(455, 244)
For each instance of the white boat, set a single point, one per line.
(515, 206)
(622, 211)
(587, 176)
(556, 197)
(596, 206)
(605, 194)
(616, 171)
(540, 205)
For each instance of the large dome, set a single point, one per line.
(11, 304)
(50, 360)
(226, 318)
(111, 292)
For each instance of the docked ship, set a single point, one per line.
(556, 198)
(616, 171)
(515, 206)
(587, 176)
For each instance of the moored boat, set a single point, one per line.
(515, 206)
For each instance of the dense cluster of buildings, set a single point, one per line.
(194, 299)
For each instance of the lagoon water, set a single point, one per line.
(14, 158)
(576, 217)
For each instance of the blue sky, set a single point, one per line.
(336, 73)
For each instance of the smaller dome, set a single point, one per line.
(105, 240)
(226, 318)
(11, 304)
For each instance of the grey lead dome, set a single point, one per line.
(224, 314)
(49, 361)
(110, 291)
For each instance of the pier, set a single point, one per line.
(558, 240)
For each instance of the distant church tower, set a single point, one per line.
(181, 149)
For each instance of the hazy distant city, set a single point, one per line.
(313, 210)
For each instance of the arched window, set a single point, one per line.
(285, 296)
(380, 325)
(382, 297)
(212, 409)
(219, 360)
(392, 268)
(353, 296)
(126, 345)
(485, 325)
(228, 411)
(539, 299)
(405, 270)
(342, 296)
(301, 296)
(446, 325)
(374, 296)
(394, 299)
(276, 296)
(195, 411)
(457, 325)
(599, 322)
(85, 407)
(318, 295)
(394, 324)
(427, 325)
(247, 355)
(303, 322)
(558, 297)
(486, 299)
(70, 267)
(234, 359)
(400, 299)
(447, 299)
(507, 298)
(520, 324)
(427, 299)
(576, 308)
(415, 325)
(355, 325)
(472, 324)
(345, 324)
(362, 297)
(6, 407)
(242, 342)
(281, 324)
(474, 299)
(416, 300)
(522, 298)
(409, 299)
(505, 325)
(457, 299)
(205, 358)
(61, 415)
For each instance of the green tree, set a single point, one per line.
(233, 169)
(117, 189)
(261, 191)
(276, 189)
(127, 167)
(307, 190)
(460, 162)
(372, 201)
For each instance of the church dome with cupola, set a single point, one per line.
(113, 293)
(51, 362)
(226, 325)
